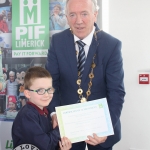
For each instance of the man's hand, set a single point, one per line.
(95, 140)
(54, 121)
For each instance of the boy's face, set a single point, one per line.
(39, 100)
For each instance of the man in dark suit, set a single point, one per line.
(100, 76)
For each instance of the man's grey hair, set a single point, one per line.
(95, 6)
(12, 73)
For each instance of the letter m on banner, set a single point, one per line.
(30, 12)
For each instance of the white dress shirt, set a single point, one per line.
(87, 41)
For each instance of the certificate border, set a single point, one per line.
(102, 103)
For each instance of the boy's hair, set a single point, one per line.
(34, 73)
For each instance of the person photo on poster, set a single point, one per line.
(11, 107)
(5, 3)
(11, 104)
(5, 19)
(57, 20)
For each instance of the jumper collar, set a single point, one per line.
(41, 112)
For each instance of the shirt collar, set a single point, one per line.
(41, 112)
(87, 40)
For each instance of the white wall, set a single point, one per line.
(129, 20)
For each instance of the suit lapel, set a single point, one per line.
(91, 53)
(71, 54)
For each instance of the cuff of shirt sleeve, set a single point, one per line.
(52, 114)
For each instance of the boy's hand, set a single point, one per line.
(65, 144)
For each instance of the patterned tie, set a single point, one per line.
(81, 58)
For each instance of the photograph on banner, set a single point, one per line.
(6, 45)
(14, 71)
(57, 17)
(11, 107)
(5, 19)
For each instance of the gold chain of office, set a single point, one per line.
(91, 76)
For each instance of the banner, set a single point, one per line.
(25, 30)
(30, 30)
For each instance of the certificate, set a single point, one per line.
(77, 121)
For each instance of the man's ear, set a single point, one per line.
(27, 93)
(95, 15)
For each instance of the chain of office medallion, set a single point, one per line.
(91, 76)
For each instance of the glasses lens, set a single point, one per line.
(50, 90)
(41, 91)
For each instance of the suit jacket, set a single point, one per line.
(108, 74)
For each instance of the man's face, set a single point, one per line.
(11, 78)
(81, 17)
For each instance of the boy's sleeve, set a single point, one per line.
(30, 132)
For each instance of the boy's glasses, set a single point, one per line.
(42, 91)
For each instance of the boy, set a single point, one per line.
(12, 104)
(11, 110)
(33, 124)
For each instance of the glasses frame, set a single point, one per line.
(46, 90)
